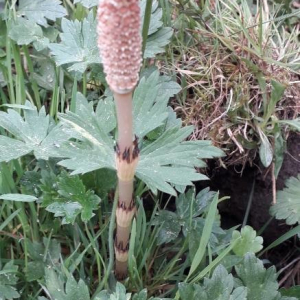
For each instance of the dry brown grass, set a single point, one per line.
(222, 74)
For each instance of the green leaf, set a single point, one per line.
(224, 253)
(156, 16)
(157, 42)
(265, 150)
(189, 291)
(158, 36)
(87, 3)
(103, 295)
(69, 211)
(96, 148)
(106, 181)
(280, 147)
(167, 161)
(75, 200)
(185, 218)
(209, 221)
(276, 94)
(142, 295)
(18, 197)
(40, 11)
(18, 106)
(183, 205)
(50, 33)
(221, 284)
(169, 226)
(261, 284)
(24, 32)
(219, 287)
(171, 160)
(150, 102)
(45, 254)
(35, 132)
(118, 294)
(3, 32)
(78, 47)
(2, 80)
(287, 206)
(12, 149)
(293, 231)
(35, 270)
(194, 231)
(293, 123)
(8, 280)
(48, 187)
(60, 290)
(291, 292)
(247, 241)
(45, 76)
(203, 200)
(230, 261)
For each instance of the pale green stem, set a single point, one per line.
(146, 24)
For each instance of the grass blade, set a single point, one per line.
(207, 230)
(6, 222)
(282, 239)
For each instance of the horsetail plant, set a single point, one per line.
(120, 45)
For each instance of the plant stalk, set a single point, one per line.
(126, 159)
(120, 44)
(146, 24)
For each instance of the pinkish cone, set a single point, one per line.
(120, 43)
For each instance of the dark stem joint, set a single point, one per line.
(122, 205)
(128, 154)
(120, 246)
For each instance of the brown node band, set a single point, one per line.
(127, 161)
(122, 205)
(121, 251)
(125, 213)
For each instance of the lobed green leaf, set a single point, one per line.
(78, 47)
(40, 11)
(287, 206)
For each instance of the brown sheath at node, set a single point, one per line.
(125, 213)
(121, 251)
(127, 161)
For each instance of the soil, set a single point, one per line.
(231, 183)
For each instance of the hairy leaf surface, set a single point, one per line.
(295, 124)
(219, 287)
(158, 36)
(18, 197)
(78, 47)
(94, 150)
(40, 258)
(74, 200)
(40, 11)
(261, 283)
(288, 202)
(24, 32)
(33, 132)
(70, 289)
(171, 160)
(87, 3)
(8, 280)
(167, 161)
(247, 241)
(150, 102)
